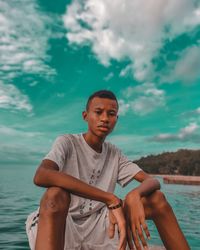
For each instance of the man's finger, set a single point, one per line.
(111, 230)
(135, 238)
(141, 236)
(122, 238)
(129, 238)
(145, 228)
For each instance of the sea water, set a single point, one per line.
(19, 197)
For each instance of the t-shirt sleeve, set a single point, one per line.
(127, 170)
(59, 151)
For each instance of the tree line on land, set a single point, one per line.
(182, 162)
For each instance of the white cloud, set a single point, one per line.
(133, 29)
(126, 71)
(11, 98)
(198, 110)
(193, 115)
(151, 98)
(148, 89)
(109, 76)
(144, 105)
(24, 35)
(187, 67)
(34, 83)
(145, 98)
(188, 130)
(9, 131)
(123, 107)
(188, 133)
(60, 95)
(128, 92)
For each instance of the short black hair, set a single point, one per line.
(102, 94)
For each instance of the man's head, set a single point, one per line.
(107, 94)
(101, 113)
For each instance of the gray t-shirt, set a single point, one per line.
(103, 170)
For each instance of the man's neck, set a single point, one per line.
(94, 142)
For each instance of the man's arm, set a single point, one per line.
(47, 175)
(148, 184)
(134, 209)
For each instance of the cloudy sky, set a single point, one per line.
(53, 56)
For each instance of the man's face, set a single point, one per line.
(101, 116)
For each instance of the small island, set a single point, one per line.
(181, 167)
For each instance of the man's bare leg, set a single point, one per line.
(52, 218)
(158, 209)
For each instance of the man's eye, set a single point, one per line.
(112, 114)
(98, 112)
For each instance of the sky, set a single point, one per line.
(54, 55)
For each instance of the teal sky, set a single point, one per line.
(53, 55)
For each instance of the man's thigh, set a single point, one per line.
(91, 235)
(72, 238)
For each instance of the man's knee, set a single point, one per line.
(55, 202)
(158, 203)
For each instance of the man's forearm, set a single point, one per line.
(49, 178)
(148, 186)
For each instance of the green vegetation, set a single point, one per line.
(182, 162)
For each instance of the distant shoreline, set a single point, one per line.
(176, 175)
(179, 179)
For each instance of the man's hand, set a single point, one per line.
(135, 219)
(116, 217)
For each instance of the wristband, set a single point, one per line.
(111, 207)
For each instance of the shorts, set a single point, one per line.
(88, 234)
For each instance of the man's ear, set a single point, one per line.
(84, 115)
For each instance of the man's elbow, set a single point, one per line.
(37, 180)
(157, 183)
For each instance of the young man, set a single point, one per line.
(79, 210)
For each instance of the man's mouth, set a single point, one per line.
(103, 127)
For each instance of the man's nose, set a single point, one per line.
(104, 117)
